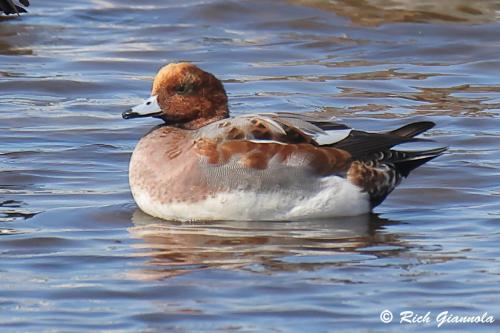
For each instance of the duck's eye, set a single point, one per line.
(182, 89)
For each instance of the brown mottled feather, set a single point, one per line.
(261, 127)
(322, 161)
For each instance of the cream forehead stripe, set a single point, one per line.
(168, 72)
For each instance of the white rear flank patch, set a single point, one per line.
(336, 197)
(332, 136)
(268, 141)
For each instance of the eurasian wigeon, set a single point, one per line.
(202, 165)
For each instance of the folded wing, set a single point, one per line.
(286, 128)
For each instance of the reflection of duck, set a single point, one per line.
(178, 248)
(203, 165)
(13, 6)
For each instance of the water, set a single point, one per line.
(78, 256)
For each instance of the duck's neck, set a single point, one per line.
(200, 122)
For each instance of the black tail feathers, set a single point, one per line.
(413, 160)
(413, 129)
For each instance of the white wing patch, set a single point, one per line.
(303, 123)
(331, 137)
(268, 141)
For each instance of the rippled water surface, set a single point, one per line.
(78, 256)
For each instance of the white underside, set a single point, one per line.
(336, 197)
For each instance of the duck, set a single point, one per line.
(201, 164)
(13, 6)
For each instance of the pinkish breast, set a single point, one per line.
(165, 167)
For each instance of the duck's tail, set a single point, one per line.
(408, 161)
(413, 129)
(378, 173)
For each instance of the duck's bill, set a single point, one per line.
(149, 108)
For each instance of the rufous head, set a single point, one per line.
(185, 96)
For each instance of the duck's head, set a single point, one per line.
(185, 96)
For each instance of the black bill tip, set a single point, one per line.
(129, 114)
